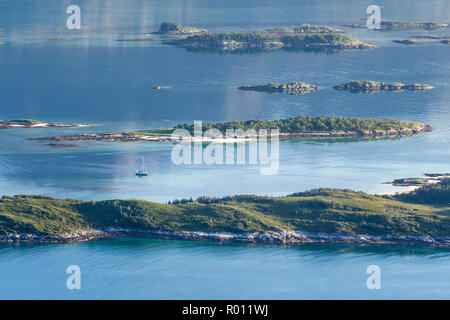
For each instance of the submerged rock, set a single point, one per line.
(408, 41)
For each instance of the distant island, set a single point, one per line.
(297, 127)
(321, 215)
(408, 41)
(29, 123)
(304, 28)
(172, 28)
(430, 37)
(396, 25)
(430, 178)
(294, 88)
(367, 85)
(303, 36)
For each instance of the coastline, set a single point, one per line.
(280, 237)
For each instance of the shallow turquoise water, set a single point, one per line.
(96, 79)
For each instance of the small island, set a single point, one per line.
(320, 215)
(396, 25)
(367, 85)
(297, 127)
(294, 88)
(271, 40)
(29, 123)
(172, 28)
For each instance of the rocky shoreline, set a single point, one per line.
(276, 237)
(367, 85)
(294, 88)
(233, 44)
(124, 137)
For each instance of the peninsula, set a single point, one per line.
(297, 127)
(366, 85)
(321, 215)
(294, 88)
(28, 123)
(396, 25)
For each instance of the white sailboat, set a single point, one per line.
(142, 172)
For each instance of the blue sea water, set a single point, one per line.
(95, 79)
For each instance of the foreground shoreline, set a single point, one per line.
(279, 238)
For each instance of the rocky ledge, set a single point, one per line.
(364, 85)
(275, 237)
(294, 88)
(26, 123)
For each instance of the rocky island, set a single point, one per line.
(297, 127)
(367, 85)
(28, 123)
(396, 25)
(321, 215)
(172, 28)
(271, 40)
(294, 88)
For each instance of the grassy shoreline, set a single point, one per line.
(322, 215)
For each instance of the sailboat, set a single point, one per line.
(142, 172)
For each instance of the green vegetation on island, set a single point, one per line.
(321, 124)
(433, 194)
(172, 28)
(327, 211)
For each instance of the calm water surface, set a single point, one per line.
(95, 79)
